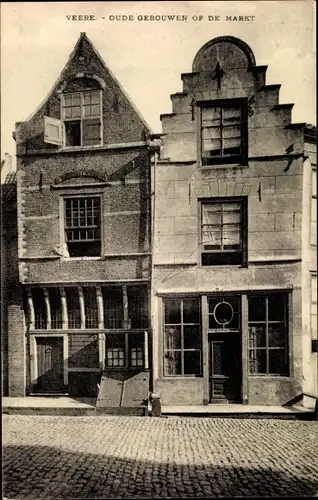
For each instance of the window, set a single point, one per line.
(182, 337)
(313, 314)
(224, 313)
(136, 350)
(39, 308)
(224, 132)
(113, 307)
(138, 306)
(73, 307)
(268, 335)
(135, 315)
(83, 226)
(125, 350)
(90, 306)
(55, 307)
(82, 113)
(223, 232)
(313, 211)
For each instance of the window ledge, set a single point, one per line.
(66, 259)
(278, 378)
(65, 149)
(226, 165)
(225, 266)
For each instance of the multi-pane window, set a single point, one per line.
(182, 337)
(223, 132)
(115, 351)
(313, 211)
(268, 335)
(223, 232)
(82, 113)
(136, 350)
(124, 350)
(82, 223)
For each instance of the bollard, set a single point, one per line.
(156, 405)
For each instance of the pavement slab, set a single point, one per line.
(52, 457)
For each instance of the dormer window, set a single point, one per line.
(82, 117)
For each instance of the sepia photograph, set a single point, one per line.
(159, 249)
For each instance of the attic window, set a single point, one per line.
(82, 117)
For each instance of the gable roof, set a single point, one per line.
(83, 45)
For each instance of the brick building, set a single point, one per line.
(83, 205)
(234, 258)
(217, 229)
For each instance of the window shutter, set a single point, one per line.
(92, 132)
(53, 131)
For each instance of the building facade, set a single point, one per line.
(82, 319)
(234, 258)
(187, 270)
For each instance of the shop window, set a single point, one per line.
(223, 132)
(124, 351)
(82, 224)
(223, 232)
(182, 337)
(268, 335)
(82, 117)
(224, 313)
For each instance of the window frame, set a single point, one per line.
(287, 327)
(224, 160)
(243, 201)
(313, 208)
(82, 118)
(127, 359)
(182, 349)
(63, 227)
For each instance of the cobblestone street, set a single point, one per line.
(139, 457)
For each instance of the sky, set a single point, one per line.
(148, 57)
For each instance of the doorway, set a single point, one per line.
(225, 367)
(49, 377)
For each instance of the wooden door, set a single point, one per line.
(225, 368)
(50, 364)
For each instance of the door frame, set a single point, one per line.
(220, 337)
(34, 359)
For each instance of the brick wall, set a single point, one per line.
(16, 348)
